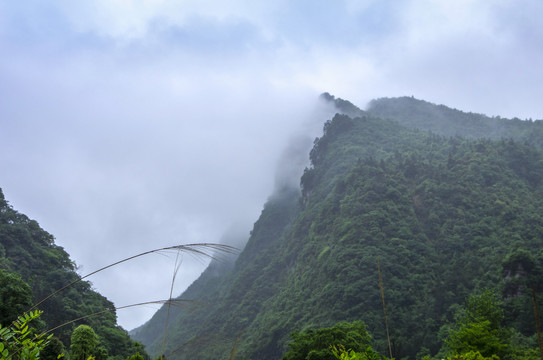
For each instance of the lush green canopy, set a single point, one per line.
(314, 344)
(15, 297)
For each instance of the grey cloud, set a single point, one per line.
(206, 36)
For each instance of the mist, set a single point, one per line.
(119, 178)
(130, 126)
(117, 165)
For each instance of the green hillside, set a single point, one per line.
(30, 252)
(440, 213)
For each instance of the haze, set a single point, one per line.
(134, 125)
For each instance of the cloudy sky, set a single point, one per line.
(129, 125)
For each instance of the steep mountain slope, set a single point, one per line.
(28, 250)
(439, 213)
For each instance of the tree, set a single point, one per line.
(84, 343)
(314, 344)
(140, 351)
(15, 297)
(343, 354)
(19, 341)
(52, 350)
(471, 355)
(136, 356)
(100, 353)
(478, 328)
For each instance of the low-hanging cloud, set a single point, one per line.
(115, 160)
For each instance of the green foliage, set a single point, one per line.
(53, 350)
(314, 344)
(100, 353)
(479, 333)
(472, 355)
(20, 341)
(479, 336)
(84, 342)
(483, 307)
(368, 354)
(15, 297)
(136, 356)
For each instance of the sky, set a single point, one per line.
(131, 125)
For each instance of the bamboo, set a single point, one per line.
(537, 324)
(195, 249)
(175, 270)
(384, 306)
(235, 347)
(159, 302)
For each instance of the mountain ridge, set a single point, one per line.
(424, 203)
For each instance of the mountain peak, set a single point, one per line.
(441, 213)
(342, 106)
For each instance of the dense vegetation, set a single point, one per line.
(442, 198)
(32, 267)
(442, 120)
(441, 213)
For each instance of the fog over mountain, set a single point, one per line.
(129, 126)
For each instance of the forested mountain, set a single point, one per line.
(33, 267)
(445, 121)
(441, 198)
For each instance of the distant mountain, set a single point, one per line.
(28, 250)
(438, 196)
(442, 120)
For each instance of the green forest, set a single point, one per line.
(447, 202)
(416, 233)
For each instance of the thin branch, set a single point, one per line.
(234, 347)
(175, 270)
(384, 306)
(195, 249)
(176, 302)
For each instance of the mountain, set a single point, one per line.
(437, 196)
(29, 251)
(442, 120)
